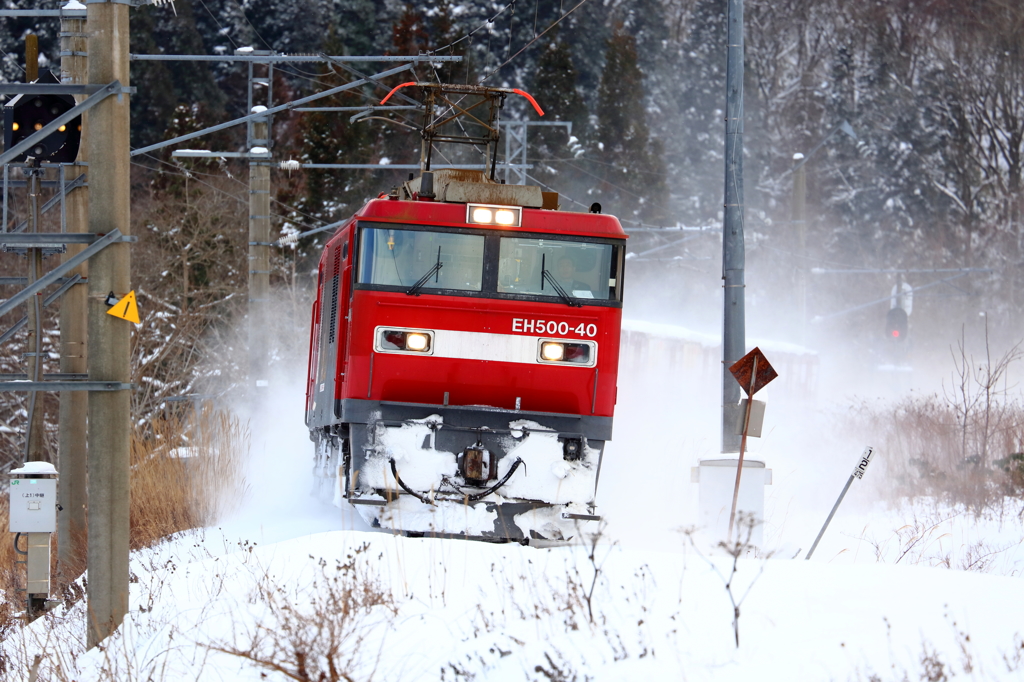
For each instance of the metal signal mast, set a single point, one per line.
(733, 258)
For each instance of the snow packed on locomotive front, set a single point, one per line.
(463, 359)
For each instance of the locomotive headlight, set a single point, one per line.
(503, 216)
(15, 126)
(488, 214)
(391, 340)
(551, 351)
(417, 342)
(576, 353)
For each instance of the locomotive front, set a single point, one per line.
(463, 359)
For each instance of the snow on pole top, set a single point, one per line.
(35, 468)
(258, 109)
(73, 4)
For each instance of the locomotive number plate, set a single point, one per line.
(553, 327)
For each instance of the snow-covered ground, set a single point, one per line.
(463, 609)
(892, 592)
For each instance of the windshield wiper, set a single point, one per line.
(434, 272)
(545, 275)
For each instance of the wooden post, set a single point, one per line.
(743, 447)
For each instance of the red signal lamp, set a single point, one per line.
(896, 323)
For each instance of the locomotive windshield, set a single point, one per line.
(421, 259)
(533, 266)
(490, 263)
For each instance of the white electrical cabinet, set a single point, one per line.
(717, 479)
(33, 505)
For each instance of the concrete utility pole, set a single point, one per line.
(72, 458)
(734, 323)
(799, 221)
(109, 337)
(259, 258)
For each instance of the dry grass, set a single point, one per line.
(964, 447)
(922, 444)
(185, 473)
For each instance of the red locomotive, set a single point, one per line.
(464, 353)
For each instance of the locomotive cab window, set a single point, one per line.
(421, 258)
(542, 267)
(489, 263)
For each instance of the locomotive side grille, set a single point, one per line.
(334, 307)
(335, 281)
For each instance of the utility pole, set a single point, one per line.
(259, 255)
(31, 57)
(35, 432)
(72, 454)
(109, 337)
(35, 437)
(734, 324)
(799, 221)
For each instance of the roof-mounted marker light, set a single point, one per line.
(487, 214)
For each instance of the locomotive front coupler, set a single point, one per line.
(462, 496)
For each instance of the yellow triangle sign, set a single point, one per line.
(126, 308)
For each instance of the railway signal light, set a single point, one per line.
(896, 324)
(25, 114)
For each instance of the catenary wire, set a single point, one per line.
(524, 47)
(485, 23)
(241, 10)
(223, 31)
(178, 170)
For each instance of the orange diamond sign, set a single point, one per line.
(753, 371)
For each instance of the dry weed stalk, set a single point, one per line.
(740, 547)
(578, 587)
(323, 637)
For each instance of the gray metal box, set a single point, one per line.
(737, 413)
(33, 505)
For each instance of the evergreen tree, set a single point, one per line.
(329, 137)
(163, 86)
(364, 26)
(633, 175)
(12, 42)
(397, 143)
(446, 37)
(697, 106)
(554, 88)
